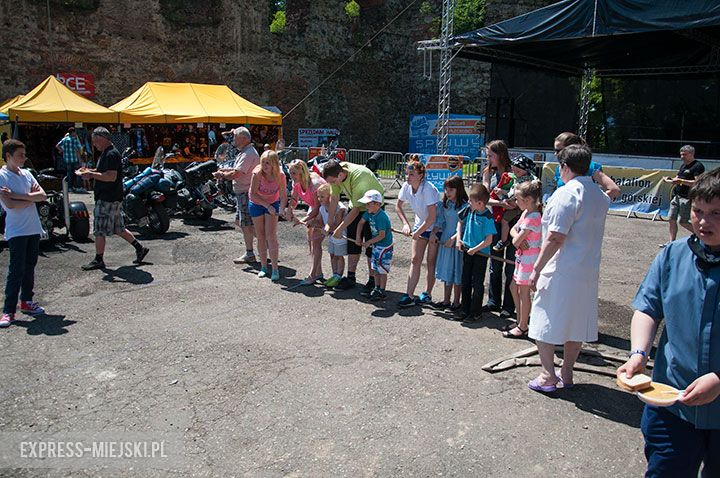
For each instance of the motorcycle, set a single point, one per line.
(148, 196)
(58, 212)
(196, 191)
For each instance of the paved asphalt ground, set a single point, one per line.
(240, 376)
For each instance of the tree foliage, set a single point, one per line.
(352, 9)
(278, 24)
(469, 15)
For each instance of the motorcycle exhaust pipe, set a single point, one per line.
(66, 204)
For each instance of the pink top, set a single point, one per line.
(533, 223)
(309, 197)
(268, 190)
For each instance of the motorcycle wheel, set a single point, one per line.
(204, 213)
(158, 219)
(79, 228)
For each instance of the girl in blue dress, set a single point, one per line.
(450, 260)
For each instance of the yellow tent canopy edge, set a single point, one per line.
(159, 102)
(53, 102)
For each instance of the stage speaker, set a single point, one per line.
(500, 119)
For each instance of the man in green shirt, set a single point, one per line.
(354, 181)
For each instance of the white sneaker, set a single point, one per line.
(245, 258)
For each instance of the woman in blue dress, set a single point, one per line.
(450, 260)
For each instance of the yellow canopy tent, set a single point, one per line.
(7, 103)
(53, 102)
(156, 102)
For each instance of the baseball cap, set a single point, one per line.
(521, 161)
(372, 195)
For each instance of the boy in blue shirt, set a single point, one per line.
(381, 241)
(475, 232)
(682, 287)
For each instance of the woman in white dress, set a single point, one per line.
(565, 275)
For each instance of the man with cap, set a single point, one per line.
(108, 189)
(522, 171)
(241, 174)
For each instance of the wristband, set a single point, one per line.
(638, 352)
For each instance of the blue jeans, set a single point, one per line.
(675, 448)
(498, 296)
(70, 174)
(24, 251)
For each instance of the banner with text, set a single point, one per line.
(310, 137)
(440, 167)
(463, 136)
(641, 190)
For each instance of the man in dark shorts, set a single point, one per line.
(680, 204)
(107, 216)
(354, 181)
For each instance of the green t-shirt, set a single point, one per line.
(359, 181)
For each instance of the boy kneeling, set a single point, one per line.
(682, 287)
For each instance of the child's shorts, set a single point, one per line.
(511, 214)
(381, 259)
(337, 247)
(257, 210)
(426, 234)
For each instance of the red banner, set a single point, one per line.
(81, 83)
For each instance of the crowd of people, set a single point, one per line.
(551, 249)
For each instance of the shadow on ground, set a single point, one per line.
(45, 324)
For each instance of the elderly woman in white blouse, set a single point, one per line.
(565, 275)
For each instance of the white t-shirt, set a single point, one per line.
(20, 221)
(426, 195)
(324, 215)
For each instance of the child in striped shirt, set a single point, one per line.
(527, 238)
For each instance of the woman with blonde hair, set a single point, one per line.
(268, 196)
(305, 186)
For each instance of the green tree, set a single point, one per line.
(469, 15)
(352, 9)
(278, 24)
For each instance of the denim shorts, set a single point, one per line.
(257, 210)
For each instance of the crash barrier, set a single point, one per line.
(386, 165)
(642, 191)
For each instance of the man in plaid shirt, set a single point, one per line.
(71, 150)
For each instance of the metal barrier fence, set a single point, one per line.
(388, 164)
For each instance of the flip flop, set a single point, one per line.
(508, 335)
(562, 383)
(534, 385)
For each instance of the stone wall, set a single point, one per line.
(125, 43)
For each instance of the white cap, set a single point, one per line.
(372, 195)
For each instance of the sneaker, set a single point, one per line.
(377, 294)
(31, 308)
(440, 305)
(262, 273)
(500, 245)
(369, 286)
(663, 245)
(245, 258)
(332, 282)
(453, 308)
(140, 255)
(470, 318)
(345, 284)
(489, 308)
(365, 292)
(93, 265)
(423, 298)
(6, 320)
(275, 276)
(406, 301)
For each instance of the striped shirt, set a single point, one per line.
(525, 258)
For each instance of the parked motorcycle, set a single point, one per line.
(148, 196)
(58, 212)
(197, 191)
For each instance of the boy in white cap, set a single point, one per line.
(381, 241)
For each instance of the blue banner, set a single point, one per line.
(463, 138)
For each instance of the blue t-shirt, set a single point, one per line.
(688, 300)
(594, 168)
(477, 225)
(379, 222)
